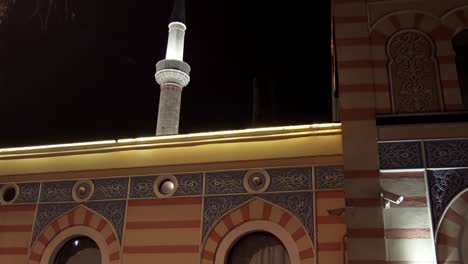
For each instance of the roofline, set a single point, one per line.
(172, 140)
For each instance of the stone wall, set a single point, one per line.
(138, 225)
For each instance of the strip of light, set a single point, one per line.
(104, 142)
(179, 136)
(207, 140)
(230, 132)
(169, 143)
(401, 170)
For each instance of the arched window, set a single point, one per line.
(413, 73)
(77, 251)
(258, 248)
(460, 45)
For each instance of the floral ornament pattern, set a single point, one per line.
(329, 177)
(105, 189)
(215, 207)
(444, 185)
(413, 73)
(142, 187)
(225, 182)
(57, 191)
(400, 155)
(28, 193)
(299, 203)
(189, 184)
(114, 211)
(48, 212)
(447, 153)
(290, 179)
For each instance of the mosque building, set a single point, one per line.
(387, 183)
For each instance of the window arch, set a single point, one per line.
(413, 73)
(460, 45)
(257, 215)
(258, 248)
(451, 232)
(78, 222)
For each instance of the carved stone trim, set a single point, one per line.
(413, 73)
(177, 26)
(172, 76)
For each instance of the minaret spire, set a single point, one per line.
(178, 11)
(172, 74)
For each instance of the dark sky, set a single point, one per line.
(88, 73)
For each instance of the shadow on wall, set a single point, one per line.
(460, 45)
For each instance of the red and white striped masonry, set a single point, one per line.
(440, 33)
(80, 216)
(362, 70)
(354, 56)
(358, 105)
(450, 230)
(258, 209)
(16, 225)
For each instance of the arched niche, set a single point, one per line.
(413, 73)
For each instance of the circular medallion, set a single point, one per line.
(256, 181)
(165, 186)
(9, 193)
(83, 190)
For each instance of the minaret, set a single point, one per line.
(172, 74)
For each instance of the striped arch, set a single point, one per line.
(441, 35)
(450, 231)
(80, 221)
(456, 19)
(258, 215)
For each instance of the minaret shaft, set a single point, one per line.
(172, 74)
(169, 109)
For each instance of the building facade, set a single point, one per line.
(389, 183)
(397, 59)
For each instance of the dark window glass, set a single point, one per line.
(79, 250)
(258, 248)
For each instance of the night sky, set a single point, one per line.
(88, 72)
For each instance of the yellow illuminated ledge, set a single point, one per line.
(177, 140)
